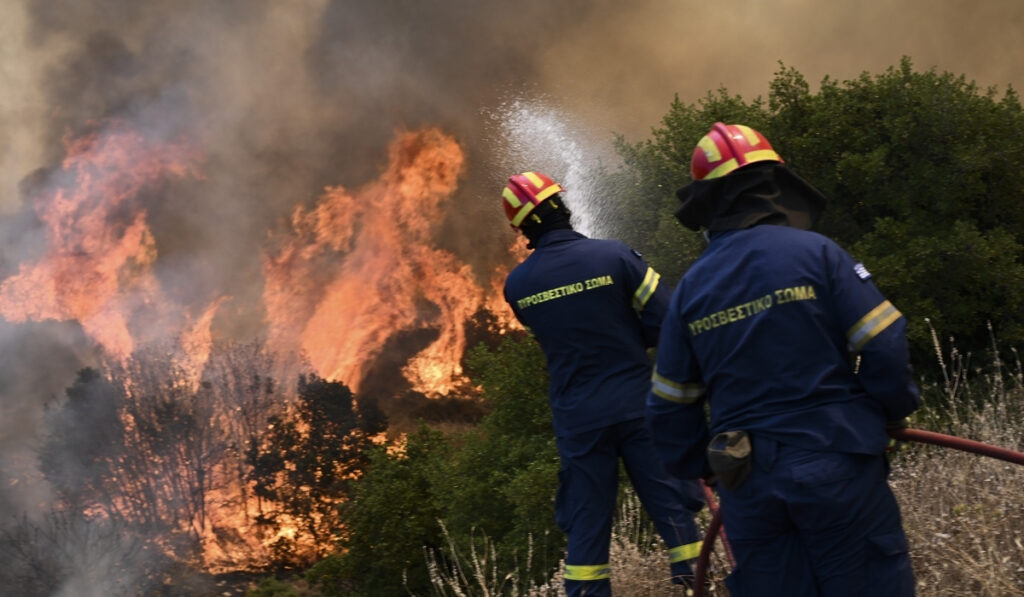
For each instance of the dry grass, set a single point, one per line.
(963, 513)
(638, 557)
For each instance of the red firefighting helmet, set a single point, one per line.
(727, 147)
(524, 192)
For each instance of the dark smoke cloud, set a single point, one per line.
(287, 97)
(37, 362)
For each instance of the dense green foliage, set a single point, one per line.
(922, 172)
(495, 481)
(389, 522)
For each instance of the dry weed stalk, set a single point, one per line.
(963, 513)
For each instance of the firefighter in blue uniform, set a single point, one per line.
(595, 307)
(801, 363)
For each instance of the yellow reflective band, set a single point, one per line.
(537, 182)
(684, 552)
(673, 391)
(749, 134)
(511, 197)
(522, 213)
(761, 155)
(547, 192)
(596, 572)
(707, 144)
(871, 325)
(646, 289)
(723, 169)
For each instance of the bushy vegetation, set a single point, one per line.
(963, 513)
(302, 465)
(922, 174)
(495, 480)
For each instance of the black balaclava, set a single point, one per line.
(760, 193)
(550, 215)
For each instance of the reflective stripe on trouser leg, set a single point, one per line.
(588, 486)
(587, 580)
(601, 587)
(670, 502)
(682, 553)
(584, 573)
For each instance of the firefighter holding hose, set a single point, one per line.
(595, 307)
(801, 363)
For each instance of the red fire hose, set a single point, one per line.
(907, 435)
(957, 443)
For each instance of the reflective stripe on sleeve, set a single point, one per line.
(673, 391)
(595, 572)
(646, 289)
(871, 325)
(684, 552)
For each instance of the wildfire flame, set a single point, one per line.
(97, 265)
(361, 266)
(342, 279)
(346, 276)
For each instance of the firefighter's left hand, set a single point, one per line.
(896, 445)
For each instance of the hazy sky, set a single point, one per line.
(300, 92)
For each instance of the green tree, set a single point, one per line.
(921, 171)
(303, 465)
(391, 518)
(502, 480)
(495, 481)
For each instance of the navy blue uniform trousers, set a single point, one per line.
(811, 523)
(588, 488)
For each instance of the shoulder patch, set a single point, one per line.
(861, 271)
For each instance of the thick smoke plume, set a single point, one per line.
(285, 99)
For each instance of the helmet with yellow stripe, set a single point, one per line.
(523, 193)
(727, 147)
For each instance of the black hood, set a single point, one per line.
(551, 214)
(761, 193)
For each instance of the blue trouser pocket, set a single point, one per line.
(889, 565)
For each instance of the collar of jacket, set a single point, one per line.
(558, 236)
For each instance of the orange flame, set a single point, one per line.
(96, 269)
(196, 342)
(360, 267)
(348, 276)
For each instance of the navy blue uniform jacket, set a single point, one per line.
(766, 326)
(595, 307)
